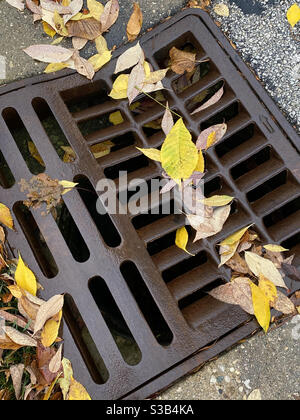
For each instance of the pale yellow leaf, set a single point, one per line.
(268, 288)
(48, 29)
(221, 9)
(65, 382)
(50, 330)
(77, 392)
(81, 16)
(200, 167)
(6, 217)
(52, 67)
(59, 24)
(235, 237)
(293, 15)
(116, 118)
(156, 76)
(217, 200)
(16, 291)
(48, 310)
(99, 60)
(259, 265)
(120, 86)
(25, 278)
(57, 40)
(101, 44)
(261, 307)
(275, 248)
(96, 8)
(153, 154)
(182, 238)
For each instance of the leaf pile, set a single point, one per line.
(31, 363)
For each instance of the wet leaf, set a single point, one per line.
(283, 304)
(130, 58)
(18, 4)
(99, 60)
(261, 307)
(259, 265)
(77, 392)
(153, 154)
(20, 338)
(25, 278)
(48, 310)
(182, 238)
(135, 23)
(204, 141)
(182, 61)
(167, 121)
(109, 15)
(210, 225)
(217, 200)
(275, 248)
(83, 66)
(213, 100)
(293, 14)
(87, 29)
(16, 373)
(50, 330)
(6, 217)
(120, 86)
(179, 154)
(96, 8)
(48, 29)
(49, 53)
(221, 9)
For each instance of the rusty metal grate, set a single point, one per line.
(137, 312)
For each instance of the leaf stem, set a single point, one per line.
(159, 103)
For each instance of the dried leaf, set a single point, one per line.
(120, 86)
(50, 330)
(235, 237)
(102, 149)
(211, 225)
(255, 395)
(237, 264)
(291, 271)
(57, 40)
(268, 288)
(116, 118)
(213, 100)
(283, 304)
(18, 4)
(65, 382)
(16, 291)
(53, 6)
(109, 15)
(182, 238)
(49, 53)
(293, 14)
(156, 76)
(218, 129)
(75, 6)
(153, 154)
(33, 7)
(96, 8)
(182, 61)
(167, 121)
(227, 252)
(25, 278)
(55, 362)
(221, 9)
(59, 24)
(242, 294)
(69, 155)
(275, 248)
(77, 392)
(178, 153)
(217, 200)
(16, 373)
(6, 217)
(101, 44)
(88, 28)
(7, 344)
(35, 153)
(48, 29)
(135, 82)
(99, 60)
(135, 23)
(259, 265)
(46, 311)
(20, 338)
(200, 167)
(83, 66)
(130, 58)
(261, 307)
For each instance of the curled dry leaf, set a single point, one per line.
(283, 304)
(109, 15)
(20, 338)
(46, 311)
(16, 373)
(135, 23)
(18, 4)
(88, 29)
(65, 382)
(83, 66)
(55, 7)
(182, 238)
(213, 100)
(218, 129)
(182, 61)
(130, 58)
(209, 225)
(55, 362)
(237, 264)
(167, 121)
(259, 265)
(6, 217)
(75, 6)
(49, 53)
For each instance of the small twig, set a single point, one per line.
(159, 103)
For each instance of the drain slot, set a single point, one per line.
(7, 179)
(184, 266)
(146, 303)
(115, 321)
(282, 213)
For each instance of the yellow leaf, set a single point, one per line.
(179, 154)
(65, 382)
(120, 86)
(102, 149)
(99, 60)
(65, 3)
(261, 307)
(25, 278)
(211, 139)
(6, 217)
(153, 154)
(182, 238)
(34, 153)
(235, 237)
(57, 40)
(50, 389)
(275, 248)
(259, 265)
(293, 15)
(81, 16)
(147, 68)
(59, 24)
(68, 184)
(95, 8)
(69, 155)
(50, 330)
(201, 162)
(268, 288)
(217, 200)
(101, 44)
(48, 29)
(52, 67)
(77, 392)
(16, 291)
(116, 118)
(221, 9)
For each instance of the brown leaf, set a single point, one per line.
(292, 272)
(135, 82)
(33, 7)
(109, 15)
(238, 264)
(182, 61)
(16, 373)
(55, 363)
(283, 304)
(83, 66)
(167, 121)
(213, 100)
(209, 226)
(18, 320)
(87, 29)
(135, 23)
(78, 43)
(218, 129)
(20, 338)
(49, 53)
(7, 344)
(44, 356)
(242, 294)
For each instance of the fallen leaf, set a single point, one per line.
(167, 121)
(182, 238)
(221, 9)
(53, 67)
(75, 6)
(16, 291)
(182, 61)
(87, 29)
(25, 278)
(213, 100)
(16, 373)
(217, 200)
(50, 330)
(237, 264)
(291, 271)
(109, 15)
(6, 217)
(59, 24)
(33, 7)
(101, 44)
(259, 265)
(18, 4)
(68, 185)
(102, 149)
(275, 248)
(210, 225)
(49, 53)
(242, 294)
(120, 86)
(283, 304)
(7, 344)
(57, 40)
(255, 395)
(218, 129)
(261, 307)
(96, 8)
(99, 60)
(52, 6)
(69, 155)
(156, 76)
(135, 23)
(55, 362)
(20, 338)
(50, 389)
(135, 82)
(268, 288)
(235, 237)
(293, 14)
(116, 118)
(227, 252)
(200, 167)
(48, 310)
(179, 154)
(34, 153)
(83, 66)
(65, 382)
(77, 392)
(153, 154)
(48, 29)
(130, 58)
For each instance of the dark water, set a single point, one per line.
(253, 7)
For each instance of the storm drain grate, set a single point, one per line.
(137, 310)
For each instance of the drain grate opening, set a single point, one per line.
(252, 163)
(84, 341)
(237, 139)
(71, 233)
(115, 321)
(184, 82)
(51, 127)
(161, 244)
(130, 165)
(100, 122)
(213, 186)
(199, 294)
(146, 303)
(293, 245)
(36, 240)
(115, 144)
(282, 213)
(23, 141)
(268, 186)
(159, 213)
(102, 221)
(7, 180)
(225, 115)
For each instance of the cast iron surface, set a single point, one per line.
(257, 163)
